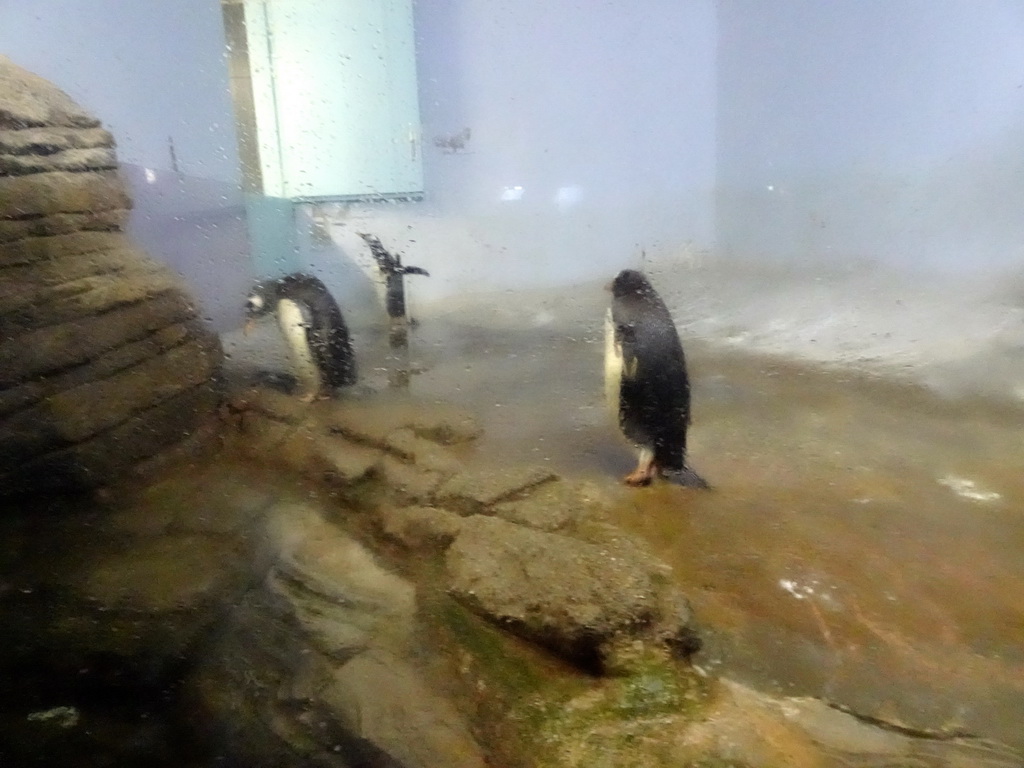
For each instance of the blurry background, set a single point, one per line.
(841, 181)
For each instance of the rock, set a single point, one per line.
(40, 194)
(131, 611)
(88, 409)
(115, 452)
(263, 435)
(51, 349)
(314, 666)
(163, 575)
(241, 695)
(751, 728)
(373, 421)
(125, 588)
(29, 101)
(49, 142)
(427, 454)
(367, 422)
(473, 491)
(96, 159)
(321, 560)
(345, 440)
(382, 700)
(551, 507)
(335, 629)
(446, 425)
(268, 402)
(571, 596)
(410, 482)
(26, 393)
(50, 251)
(302, 448)
(104, 361)
(205, 501)
(63, 224)
(402, 443)
(341, 461)
(420, 527)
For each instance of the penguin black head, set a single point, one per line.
(630, 282)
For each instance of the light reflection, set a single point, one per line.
(512, 193)
(568, 196)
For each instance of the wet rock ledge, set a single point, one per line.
(521, 547)
(539, 634)
(104, 362)
(343, 587)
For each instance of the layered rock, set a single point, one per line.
(577, 598)
(301, 645)
(103, 359)
(289, 642)
(522, 548)
(317, 667)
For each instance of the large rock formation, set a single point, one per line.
(103, 361)
(522, 548)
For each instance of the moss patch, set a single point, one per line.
(636, 720)
(536, 711)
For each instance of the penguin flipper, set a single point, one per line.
(625, 340)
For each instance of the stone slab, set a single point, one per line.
(473, 490)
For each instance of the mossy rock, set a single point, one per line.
(536, 711)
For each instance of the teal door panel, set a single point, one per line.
(337, 112)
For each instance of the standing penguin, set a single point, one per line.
(314, 328)
(646, 381)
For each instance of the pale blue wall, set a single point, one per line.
(879, 130)
(615, 97)
(613, 103)
(149, 70)
(602, 112)
(334, 90)
(890, 130)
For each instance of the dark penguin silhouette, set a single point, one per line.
(390, 265)
(646, 381)
(314, 328)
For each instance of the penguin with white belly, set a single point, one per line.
(314, 328)
(646, 381)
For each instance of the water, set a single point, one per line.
(862, 543)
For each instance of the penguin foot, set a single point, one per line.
(637, 479)
(645, 470)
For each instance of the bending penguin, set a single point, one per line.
(314, 328)
(646, 382)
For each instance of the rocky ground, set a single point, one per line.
(345, 585)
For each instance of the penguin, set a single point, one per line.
(314, 328)
(646, 382)
(390, 265)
